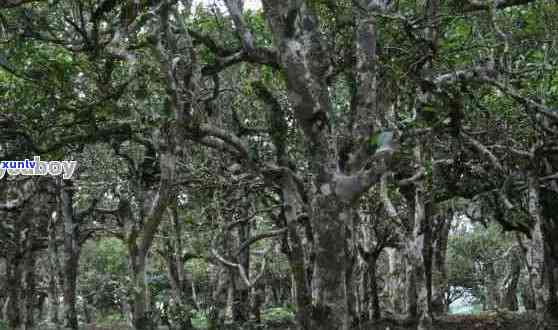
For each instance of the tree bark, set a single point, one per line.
(181, 287)
(14, 287)
(439, 269)
(396, 280)
(241, 295)
(141, 308)
(535, 254)
(29, 287)
(375, 312)
(415, 251)
(71, 255)
(53, 276)
(509, 299)
(300, 286)
(329, 290)
(492, 296)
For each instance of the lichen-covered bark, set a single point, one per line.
(414, 248)
(291, 214)
(396, 279)
(304, 61)
(439, 287)
(535, 254)
(328, 283)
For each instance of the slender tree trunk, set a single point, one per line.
(509, 299)
(528, 298)
(439, 271)
(71, 255)
(259, 297)
(14, 287)
(549, 206)
(54, 270)
(29, 288)
(364, 285)
(181, 287)
(350, 270)
(241, 295)
(375, 312)
(492, 299)
(139, 291)
(216, 317)
(535, 254)
(351, 292)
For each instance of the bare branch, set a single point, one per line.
(484, 151)
(388, 204)
(259, 237)
(408, 181)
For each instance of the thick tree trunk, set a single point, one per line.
(139, 292)
(328, 284)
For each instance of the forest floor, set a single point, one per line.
(485, 321)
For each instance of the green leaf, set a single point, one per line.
(374, 140)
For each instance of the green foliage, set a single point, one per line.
(110, 256)
(277, 314)
(472, 248)
(110, 321)
(103, 268)
(199, 320)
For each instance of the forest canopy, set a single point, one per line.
(291, 164)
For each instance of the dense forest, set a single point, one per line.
(291, 164)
